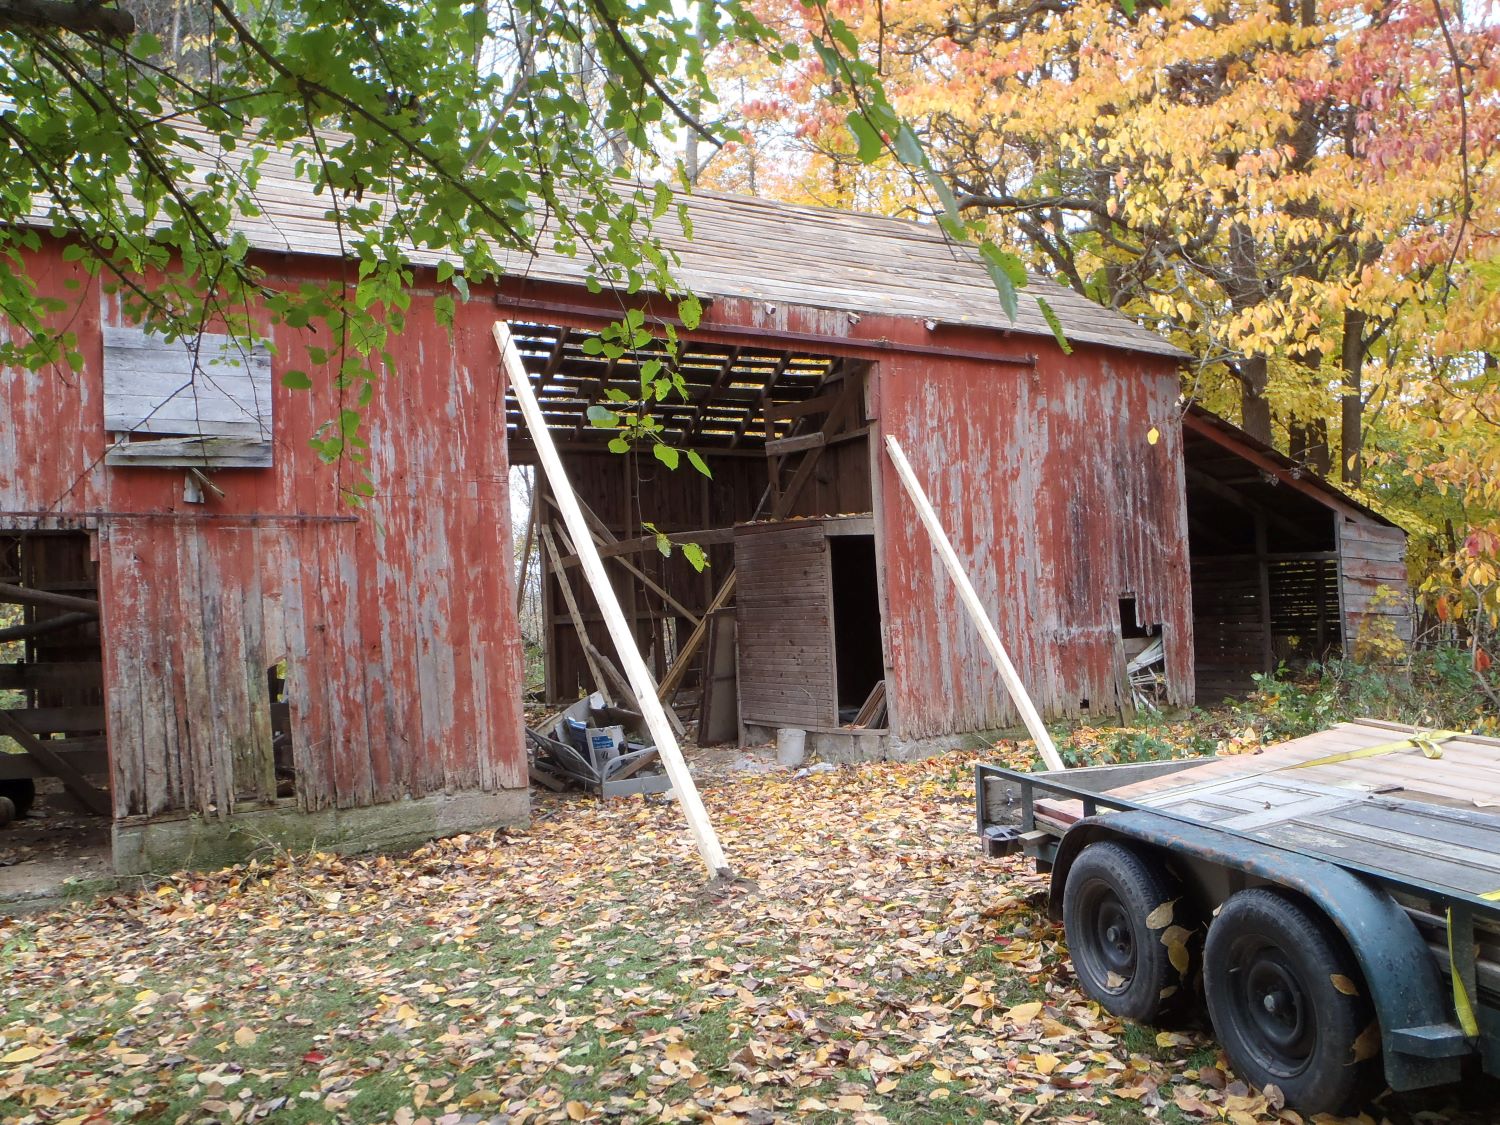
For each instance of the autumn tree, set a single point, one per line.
(137, 131)
(1303, 193)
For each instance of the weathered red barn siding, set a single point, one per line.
(1059, 506)
(403, 665)
(1053, 495)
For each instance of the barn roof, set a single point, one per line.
(1276, 466)
(757, 249)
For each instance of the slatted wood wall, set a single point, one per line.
(785, 639)
(1375, 587)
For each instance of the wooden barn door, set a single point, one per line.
(784, 626)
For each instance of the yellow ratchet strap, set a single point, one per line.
(1461, 1003)
(1430, 743)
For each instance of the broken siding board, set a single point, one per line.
(192, 452)
(1362, 577)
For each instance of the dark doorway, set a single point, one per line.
(856, 621)
(54, 755)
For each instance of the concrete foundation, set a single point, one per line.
(848, 746)
(162, 845)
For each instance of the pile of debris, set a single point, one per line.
(590, 746)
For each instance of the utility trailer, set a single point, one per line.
(1334, 901)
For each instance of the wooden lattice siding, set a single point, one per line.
(784, 626)
(403, 663)
(1372, 559)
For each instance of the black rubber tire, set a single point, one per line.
(1270, 964)
(22, 793)
(1118, 957)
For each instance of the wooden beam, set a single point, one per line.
(579, 627)
(708, 537)
(782, 447)
(1239, 500)
(28, 595)
(51, 625)
(602, 535)
(977, 613)
(59, 767)
(638, 674)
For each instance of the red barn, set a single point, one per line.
(265, 662)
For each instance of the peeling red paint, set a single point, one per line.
(404, 665)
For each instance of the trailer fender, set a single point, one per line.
(1422, 1044)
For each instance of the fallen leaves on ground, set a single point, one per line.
(867, 964)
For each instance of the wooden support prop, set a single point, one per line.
(975, 607)
(59, 767)
(675, 674)
(550, 543)
(604, 538)
(619, 630)
(51, 625)
(26, 595)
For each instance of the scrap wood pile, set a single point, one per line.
(870, 967)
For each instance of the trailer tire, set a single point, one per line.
(1113, 896)
(1289, 1004)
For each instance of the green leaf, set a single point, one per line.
(909, 147)
(619, 445)
(870, 145)
(666, 455)
(1054, 324)
(698, 463)
(690, 312)
(603, 417)
(296, 380)
(696, 556)
(1007, 272)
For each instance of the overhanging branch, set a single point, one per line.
(61, 15)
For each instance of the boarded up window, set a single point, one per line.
(195, 402)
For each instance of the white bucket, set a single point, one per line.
(791, 746)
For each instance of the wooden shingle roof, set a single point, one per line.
(757, 249)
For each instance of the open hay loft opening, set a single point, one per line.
(786, 436)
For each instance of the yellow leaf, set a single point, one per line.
(1177, 953)
(1344, 984)
(244, 1037)
(886, 1085)
(1153, 435)
(1046, 1063)
(1367, 1046)
(1161, 917)
(577, 1111)
(1024, 1013)
(679, 1052)
(22, 1054)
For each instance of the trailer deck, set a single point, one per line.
(1390, 833)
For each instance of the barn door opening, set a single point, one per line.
(54, 750)
(856, 622)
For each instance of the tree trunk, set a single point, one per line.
(1352, 407)
(1255, 408)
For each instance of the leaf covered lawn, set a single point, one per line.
(868, 965)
